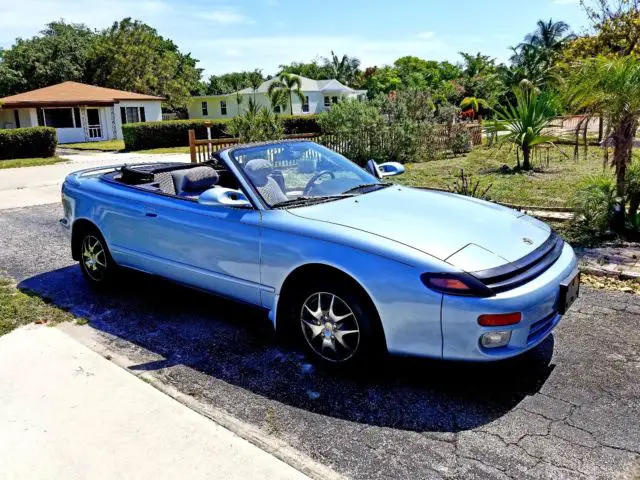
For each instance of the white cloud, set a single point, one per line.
(425, 35)
(226, 17)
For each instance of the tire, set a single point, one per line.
(345, 334)
(96, 263)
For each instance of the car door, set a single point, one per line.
(216, 248)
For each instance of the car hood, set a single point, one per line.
(468, 233)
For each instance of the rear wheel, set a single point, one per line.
(337, 324)
(96, 263)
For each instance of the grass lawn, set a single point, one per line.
(547, 186)
(165, 150)
(30, 162)
(18, 308)
(106, 146)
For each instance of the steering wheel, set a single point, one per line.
(314, 179)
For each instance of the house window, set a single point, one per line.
(59, 117)
(305, 105)
(205, 109)
(327, 101)
(223, 107)
(276, 109)
(132, 114)
(16, 117)
(334, 99)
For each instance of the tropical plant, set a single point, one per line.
(610, 87)
(255, 125)
(594, 204)
(350, 116)
(465, 186)
(474, 104)
(549, 35)
(278, 98)
(291, 84)
(344, 69)
(255, 80)
(523, 123)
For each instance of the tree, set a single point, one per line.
(255, 125)
(58, 54)
(290, 84)
(130, 55)
(524, 122)
(314, 70)
(549, 35)
(381, 80)
(610, 87)
(344, 69)
(255, 80)
(278, 98)
(232, 82)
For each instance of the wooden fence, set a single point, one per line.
(358, 146)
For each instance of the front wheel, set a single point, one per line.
(97, 266)
(338, 324)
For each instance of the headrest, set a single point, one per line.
(198, 179)
(258, 171)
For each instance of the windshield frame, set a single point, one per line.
(230, 154)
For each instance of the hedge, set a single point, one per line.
(34, 142)
(174, 133)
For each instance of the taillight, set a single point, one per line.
(499, 319)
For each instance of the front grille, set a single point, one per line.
(515, 274)
(540, 328)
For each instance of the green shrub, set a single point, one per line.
(460, 141)
(594, 202)
(175, 133)
(256, 126)
(34, 142)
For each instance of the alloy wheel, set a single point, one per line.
(330, 327)
(94, 258)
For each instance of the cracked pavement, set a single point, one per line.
(568, 409)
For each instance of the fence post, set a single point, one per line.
(192, 146)
(208, 125)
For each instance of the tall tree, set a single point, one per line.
(59, 53)
(314, 70)
(610, 87)
(130, 55)
(290, 84)
(255, 80)
(344, 69)
(549, 35)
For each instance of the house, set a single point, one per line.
(79, 112)
(319, 96)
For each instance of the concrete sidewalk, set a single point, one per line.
(27, 186)
(67, 413)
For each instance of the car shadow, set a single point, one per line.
(235, 343)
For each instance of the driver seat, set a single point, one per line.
(260, 173)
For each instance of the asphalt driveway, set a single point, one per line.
(569, 409)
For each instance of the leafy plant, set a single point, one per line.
(474, 104)
(594, 203)
(28, 142)
(256, 125)
(460, 141)
(465, 186)
(290, 84)
(523, 124)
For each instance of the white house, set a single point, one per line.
(79, 112)
(319, 96)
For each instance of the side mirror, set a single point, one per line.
(389, 169)
(219, 196)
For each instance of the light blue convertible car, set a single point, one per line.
(346, 264)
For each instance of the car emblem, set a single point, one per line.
(528, 241)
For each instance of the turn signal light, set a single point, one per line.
(499, 319)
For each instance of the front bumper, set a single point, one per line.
(536, 300)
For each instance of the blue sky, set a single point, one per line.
(228, 35)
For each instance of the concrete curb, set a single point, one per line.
(601, 272)
(278, 448)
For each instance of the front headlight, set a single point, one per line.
(456, 284)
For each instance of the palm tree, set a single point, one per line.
(287, 83)
(255, 80)
(475, 104)
(524, 122)
(476, 65)
(343, 69)
(610, 87)
(278, 98)
(549, 35)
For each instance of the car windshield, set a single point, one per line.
(291, 174)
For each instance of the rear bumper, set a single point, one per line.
(537, 300)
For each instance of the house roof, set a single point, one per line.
(307, 85)
(71, 94)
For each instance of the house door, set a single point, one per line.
(95, 129)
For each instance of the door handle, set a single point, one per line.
(150, 213)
